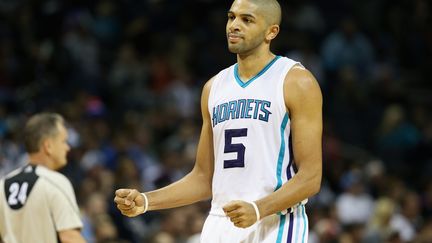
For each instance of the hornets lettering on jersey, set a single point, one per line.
(241, 109)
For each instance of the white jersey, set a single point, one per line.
(251, 134)
(36, 203)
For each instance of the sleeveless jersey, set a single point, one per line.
(251, 134)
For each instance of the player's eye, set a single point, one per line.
(231, 17)
(247, 20)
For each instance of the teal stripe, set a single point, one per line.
(245, 84)
(304, 222)
(301, 211)
(279, 173)
(281, 152)
(281, 228)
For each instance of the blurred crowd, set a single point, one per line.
(127, 76)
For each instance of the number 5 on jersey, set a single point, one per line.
(230, 147)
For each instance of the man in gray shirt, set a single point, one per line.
(37, 203)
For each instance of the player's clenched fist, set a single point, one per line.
(130, 202)
(241, 213)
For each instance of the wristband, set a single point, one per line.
(146, 202)
(256, 210)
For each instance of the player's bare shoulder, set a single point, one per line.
(301, 87)
(207, 86)
(205, 95)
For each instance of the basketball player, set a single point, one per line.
(37, 204)
(259, 153)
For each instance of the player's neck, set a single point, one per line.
(41, 159)
(250, 65)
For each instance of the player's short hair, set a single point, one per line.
(40, 127)
(271, 10)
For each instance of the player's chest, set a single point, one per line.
(252, 104)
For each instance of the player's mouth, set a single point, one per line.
(234, 37)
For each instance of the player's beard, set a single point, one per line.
(244, 46)
(236, 48)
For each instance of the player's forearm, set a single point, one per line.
(192, 188)
(71, 236)
(300, 187)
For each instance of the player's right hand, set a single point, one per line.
(130, 202)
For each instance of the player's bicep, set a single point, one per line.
(304, 102)
(205, 155)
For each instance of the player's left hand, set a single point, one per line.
(241, 213)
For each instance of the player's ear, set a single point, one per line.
(46, 146)
(272, 32)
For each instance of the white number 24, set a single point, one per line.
(17, 193)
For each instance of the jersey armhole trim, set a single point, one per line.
(281, 95)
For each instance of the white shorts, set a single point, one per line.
(289, 228)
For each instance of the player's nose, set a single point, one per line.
(234, 26)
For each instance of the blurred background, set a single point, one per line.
(127, 76)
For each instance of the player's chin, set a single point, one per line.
(235, 52)
(62, 163)
(234, 49)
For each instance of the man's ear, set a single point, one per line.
(273, 31)
(46, 146)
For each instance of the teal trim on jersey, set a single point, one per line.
(301, 211)
(245, 84)
(281, 152)
(281, 228)
(304, 222)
